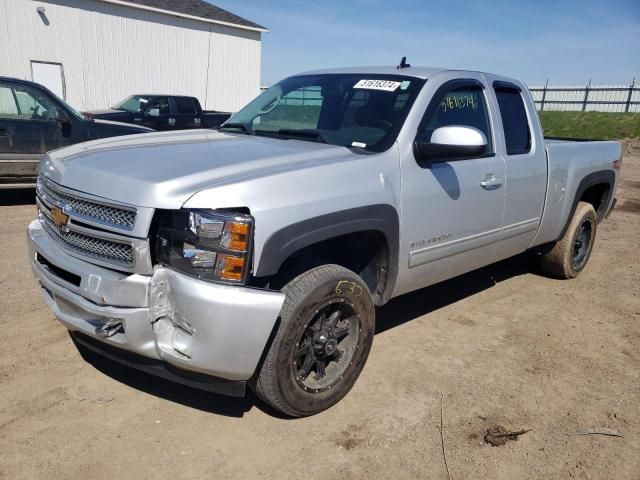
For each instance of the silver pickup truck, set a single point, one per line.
(257, 254)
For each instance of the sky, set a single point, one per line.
(567, 42)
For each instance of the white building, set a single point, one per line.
(93, 53)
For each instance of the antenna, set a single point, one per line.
(403, 63)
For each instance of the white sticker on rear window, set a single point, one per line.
(385, 85)
(358, 144)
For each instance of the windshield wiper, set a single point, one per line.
(297, 133)
(242, 126)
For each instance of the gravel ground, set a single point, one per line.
(501, 346)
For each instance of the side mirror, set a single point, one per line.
(153, 112)
(454, 142)
(61, 117)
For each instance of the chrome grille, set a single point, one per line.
(98, 248)
(86, 209)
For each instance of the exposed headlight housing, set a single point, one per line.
(209, 244)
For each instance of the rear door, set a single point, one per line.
(186, 113)
(522, 151)
(451, 216)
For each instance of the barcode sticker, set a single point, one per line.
(385, 85)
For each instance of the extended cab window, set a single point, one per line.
(460, 106)
(185, 106)
(515, 124)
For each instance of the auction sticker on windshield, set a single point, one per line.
(385, 85)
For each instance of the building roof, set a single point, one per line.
(196, 9)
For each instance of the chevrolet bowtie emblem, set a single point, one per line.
(58, 217)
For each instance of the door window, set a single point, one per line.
(26, 103)
(515, 124)
(459, 105)
(160, 103)
(185, 106)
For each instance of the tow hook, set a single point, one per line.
(110, 328)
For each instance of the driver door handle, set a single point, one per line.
(491, 182)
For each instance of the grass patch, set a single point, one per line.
(595, 125)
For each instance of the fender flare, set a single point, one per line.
(595, 178)
(282, 243)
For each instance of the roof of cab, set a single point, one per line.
(418, 72)
(414, 71)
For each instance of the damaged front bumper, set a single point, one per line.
(171, 318)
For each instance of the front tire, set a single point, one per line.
(569, 255)
(325, 334)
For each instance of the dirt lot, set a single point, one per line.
(502, 346)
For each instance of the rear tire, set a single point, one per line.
(322, 343)
(569, 255)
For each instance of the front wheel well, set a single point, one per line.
(365, 253)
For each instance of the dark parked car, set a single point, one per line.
(162, 112)
(33, 121)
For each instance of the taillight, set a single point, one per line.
(617, 164)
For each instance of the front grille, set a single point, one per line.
(98, 248)
(87, 209)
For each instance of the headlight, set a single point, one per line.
(208, 244)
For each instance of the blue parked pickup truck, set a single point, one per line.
(162, 112)
(34, 121)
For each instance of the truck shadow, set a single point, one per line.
(167, 390)
(20, 196)
(397, 312)
(421, 302)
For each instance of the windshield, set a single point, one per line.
(132, 104)
(363, 111)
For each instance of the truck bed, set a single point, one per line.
(573, 165)
(569, 140)
(214, 118)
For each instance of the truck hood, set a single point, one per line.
(128, 127)
(163, 170)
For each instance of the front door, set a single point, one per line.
(451, 210)
(157, 114)
(29, 128)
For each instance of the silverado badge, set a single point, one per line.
(58, 217)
